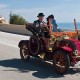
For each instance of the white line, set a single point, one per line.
(9, 44)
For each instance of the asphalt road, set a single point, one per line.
(13, 68)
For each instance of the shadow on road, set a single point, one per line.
(40, 69)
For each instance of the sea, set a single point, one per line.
(69, 26)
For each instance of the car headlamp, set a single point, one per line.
(76, 52)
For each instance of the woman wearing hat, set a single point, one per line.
(53, 23)
(49, 23)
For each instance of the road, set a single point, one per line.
(13, 68)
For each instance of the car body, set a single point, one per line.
(64, 49)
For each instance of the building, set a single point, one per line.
(3, 20)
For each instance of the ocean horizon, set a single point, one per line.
(68, 25)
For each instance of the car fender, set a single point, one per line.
(67, 48)
(21, 42)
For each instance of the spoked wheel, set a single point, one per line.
(24, 53)
(34, 45)
(61, 62)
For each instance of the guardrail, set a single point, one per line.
(16, 29)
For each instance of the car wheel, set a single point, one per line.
(61, 62)
(34, 45)
(24, 53)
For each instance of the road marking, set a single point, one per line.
(9, 44)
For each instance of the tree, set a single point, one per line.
(17, 19)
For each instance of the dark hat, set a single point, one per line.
(40, 14)
(51, 16)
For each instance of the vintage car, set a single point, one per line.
(64, 48)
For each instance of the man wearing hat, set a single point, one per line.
(39, 24)
(40, 21)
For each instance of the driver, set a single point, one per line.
(40, 24)
(40, 21)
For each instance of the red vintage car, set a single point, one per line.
(64, 48)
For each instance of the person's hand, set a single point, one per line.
(44, 25)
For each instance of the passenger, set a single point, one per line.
(40, 24)
(49, 23)
(54, 24)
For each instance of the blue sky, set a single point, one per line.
(63, 10)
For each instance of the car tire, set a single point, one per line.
(24, 52)
(61, 62)
(34, 47)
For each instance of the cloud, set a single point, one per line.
(2, 6)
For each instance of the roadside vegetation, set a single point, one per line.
(17, 19)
